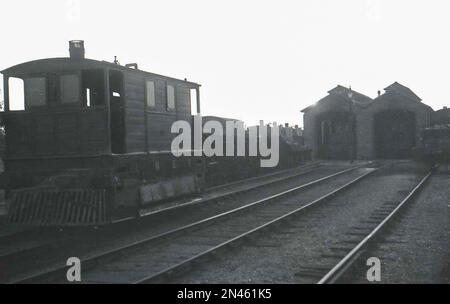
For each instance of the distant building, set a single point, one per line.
(350, 125)
(292, 135)
(221, 120)
(442, 117)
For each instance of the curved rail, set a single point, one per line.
(162, 275)
(341, 267)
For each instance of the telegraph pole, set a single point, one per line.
(352, 125)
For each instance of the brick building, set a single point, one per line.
(349, 125)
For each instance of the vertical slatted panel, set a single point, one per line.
(35, 211)
(58, 208)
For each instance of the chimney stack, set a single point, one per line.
(132, 66)
(379, 93)
(76, 48)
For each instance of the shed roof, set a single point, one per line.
(403, 90)
(345, 93)
(397, 88)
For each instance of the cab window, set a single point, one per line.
(35, 91)
(150, 90)
(170, 97)
(70, 89)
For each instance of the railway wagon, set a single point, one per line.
(436, 145)
(223, 170)
(91, 142)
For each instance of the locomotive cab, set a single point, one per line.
(72, 107)
(93, 136)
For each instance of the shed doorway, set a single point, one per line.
(335, 136)
(395, 133)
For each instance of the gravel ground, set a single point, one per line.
(416, 249)
(302, 251)
(156, 257)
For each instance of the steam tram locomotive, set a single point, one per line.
(92, 142)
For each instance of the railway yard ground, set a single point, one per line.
(416, 248)
(317, 223)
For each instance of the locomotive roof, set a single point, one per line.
(69, 64)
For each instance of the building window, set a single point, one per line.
(35, 91)
(150, 89)
(170, 97)
(88, 98)
(194, 98)
(70, 89)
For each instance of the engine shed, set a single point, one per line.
(349, 125)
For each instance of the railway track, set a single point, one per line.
(24, 235)
(339, 271)
(196, 243)
(47, 246)
(304, 250)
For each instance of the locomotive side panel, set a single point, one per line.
(31, 135)
(134, 113)
(163, 113)
(152, 105)
(159, 135)
(183, 101)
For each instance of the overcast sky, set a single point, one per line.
(255, 59)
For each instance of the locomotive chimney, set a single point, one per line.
(76, 49)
